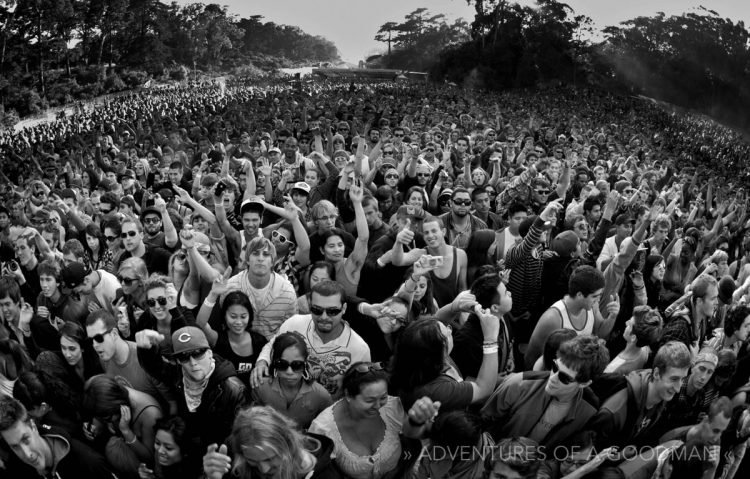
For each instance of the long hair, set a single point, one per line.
(419, 356)
(264, 427)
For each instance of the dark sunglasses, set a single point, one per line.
(330, 312)
(110, 238)
(562, 376)
(283, 365)
(128, 281)
(125, 234)
(99, 338)
(462, 202)
(161, 300)
(365, 368)
(185, 357)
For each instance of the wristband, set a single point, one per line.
(490, 349)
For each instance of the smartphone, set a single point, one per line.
(220, 187)
(436, 261)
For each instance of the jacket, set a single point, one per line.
(617, 421)
(515, 408)
(71, 459)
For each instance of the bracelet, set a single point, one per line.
(490, 349)
(415, 423)
(209, 304)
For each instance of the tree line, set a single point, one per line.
(697, 60)
(55, 51)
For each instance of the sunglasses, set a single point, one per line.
(365, 368)
(161, 300)
(110, 238)
(283, 365)
(125, 234)
(99, 338)
(564, 377)
(282, 239)
(128, 281)
(462, 202)
(388, 177)
(186, 357)
(330, 312)
(152, 220)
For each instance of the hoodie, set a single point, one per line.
(623, 418)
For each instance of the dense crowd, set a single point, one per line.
(374, 280)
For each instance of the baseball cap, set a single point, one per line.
(301, 186)
(251, 204)
(624, 218)
(188, 339)
(73, 275)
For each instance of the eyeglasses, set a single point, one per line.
(542, 192)
(125, 234)
(198, 354)
(99, 338)
(283, 365)
(391, 176)
(365, 368)
(330, 312)
(128, 281)
(152, 220)
(564, 377)
(282, 239)
(462, 202)
(161, 300)
(110, 239)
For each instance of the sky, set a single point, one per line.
(352, 24)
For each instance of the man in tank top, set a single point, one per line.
(577, 311)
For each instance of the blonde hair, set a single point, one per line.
(265, 428)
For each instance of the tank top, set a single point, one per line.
(445, 290)
(588, 328)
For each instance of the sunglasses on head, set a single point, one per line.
(283, 365)
(279, 236)
(125, 234)
(99, 338)
(330, 312)
(564, 377)
(365, 368)
(462, 202)
(161, 300)
(185, 357)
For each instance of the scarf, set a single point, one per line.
(194, 389)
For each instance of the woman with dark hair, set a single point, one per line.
(422, 366)
(735, 331)
(551, 345)
(172, 452)
(96, 248)
(128, 415)
(653, 277)
(292, 391)
(365, 424)
(235, 340)
(319, 271)
(476, 252)
(265, 443)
